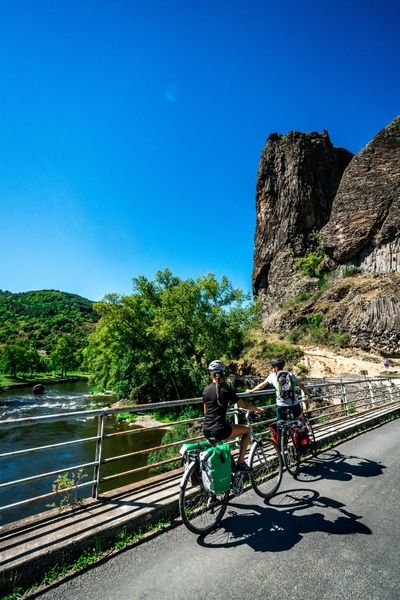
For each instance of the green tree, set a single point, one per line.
(155, 344)
(65, 356)
(12, 359)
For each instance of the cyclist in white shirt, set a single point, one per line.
(287, 399)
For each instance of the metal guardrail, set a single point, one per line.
(331, 401)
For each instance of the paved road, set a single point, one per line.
(332, 534)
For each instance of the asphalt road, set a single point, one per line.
(331, 534)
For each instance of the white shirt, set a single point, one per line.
(272, 379)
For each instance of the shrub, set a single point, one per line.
(298, 299)
(269, 350)
(311, 265)
(350, 271)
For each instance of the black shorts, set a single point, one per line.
(220, 432)
(281, 411)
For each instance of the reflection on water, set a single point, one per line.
(62, 398)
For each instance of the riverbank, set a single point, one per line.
(7, 384)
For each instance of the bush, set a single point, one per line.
(311, 265)
(350, 271)
(314, 332)
(298, 299)
(269, 350)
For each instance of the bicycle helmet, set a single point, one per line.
(278, 362)
(216, 366)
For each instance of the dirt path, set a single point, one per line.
(322, 362)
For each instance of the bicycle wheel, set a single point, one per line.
(200, 511)
(313, 443)
(290, 454)
(266, 463)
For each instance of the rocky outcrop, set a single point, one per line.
(313, 197)
(298, 177)
(366, 308)
(364, 224)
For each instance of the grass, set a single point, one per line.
(126, 416)
(7, 380)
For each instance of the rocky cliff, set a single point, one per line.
(319, 201)
(364, 226)
(298, 177)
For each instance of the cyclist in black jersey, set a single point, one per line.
(216, 398)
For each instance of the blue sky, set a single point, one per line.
(130, 132)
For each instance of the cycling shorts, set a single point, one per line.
(220, 432)
(281, 412)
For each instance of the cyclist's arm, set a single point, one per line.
(304, 389)
(246, 405)
(259, 387)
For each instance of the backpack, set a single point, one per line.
(216, 469)
(285, 386)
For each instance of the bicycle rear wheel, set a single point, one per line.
(291, 456)
(200, 511)
(313, 443)
(266, 463)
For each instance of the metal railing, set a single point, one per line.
(332, 401)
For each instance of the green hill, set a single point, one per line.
(42, 316)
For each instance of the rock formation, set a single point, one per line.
(313, 197)
(298, 177)
(364, 225)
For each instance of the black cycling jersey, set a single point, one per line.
(215, 417)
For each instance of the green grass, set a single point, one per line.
(126, 416)
(7, 380)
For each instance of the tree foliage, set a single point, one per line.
(20, 358)
(65, 356)
(155, 344)
(42, 316)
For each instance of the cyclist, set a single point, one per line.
(216, 398)
(283, 404)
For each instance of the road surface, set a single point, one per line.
(331, 534)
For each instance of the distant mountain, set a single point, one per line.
(42, 316)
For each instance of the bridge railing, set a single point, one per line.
(332, 401)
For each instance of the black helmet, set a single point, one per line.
(278, 362)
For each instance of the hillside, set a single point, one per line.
(313, 360)
(42, 316)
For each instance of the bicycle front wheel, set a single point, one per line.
(266, 464)
(200, 511)
(291, 456)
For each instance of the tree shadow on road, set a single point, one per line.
(278, 528)
(332, 464)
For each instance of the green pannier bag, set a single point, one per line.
(191, 452)
(216, 469)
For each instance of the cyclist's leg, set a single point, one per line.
(297, 412)
(244, 431)
(281, 413)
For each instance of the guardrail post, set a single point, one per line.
(344, 398)
(391, 388)
(371, 393)
(99, 454)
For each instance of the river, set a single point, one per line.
(59, 398)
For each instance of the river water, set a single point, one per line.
(60, 398)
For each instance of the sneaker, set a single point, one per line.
(212, 502)
(243, 467)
